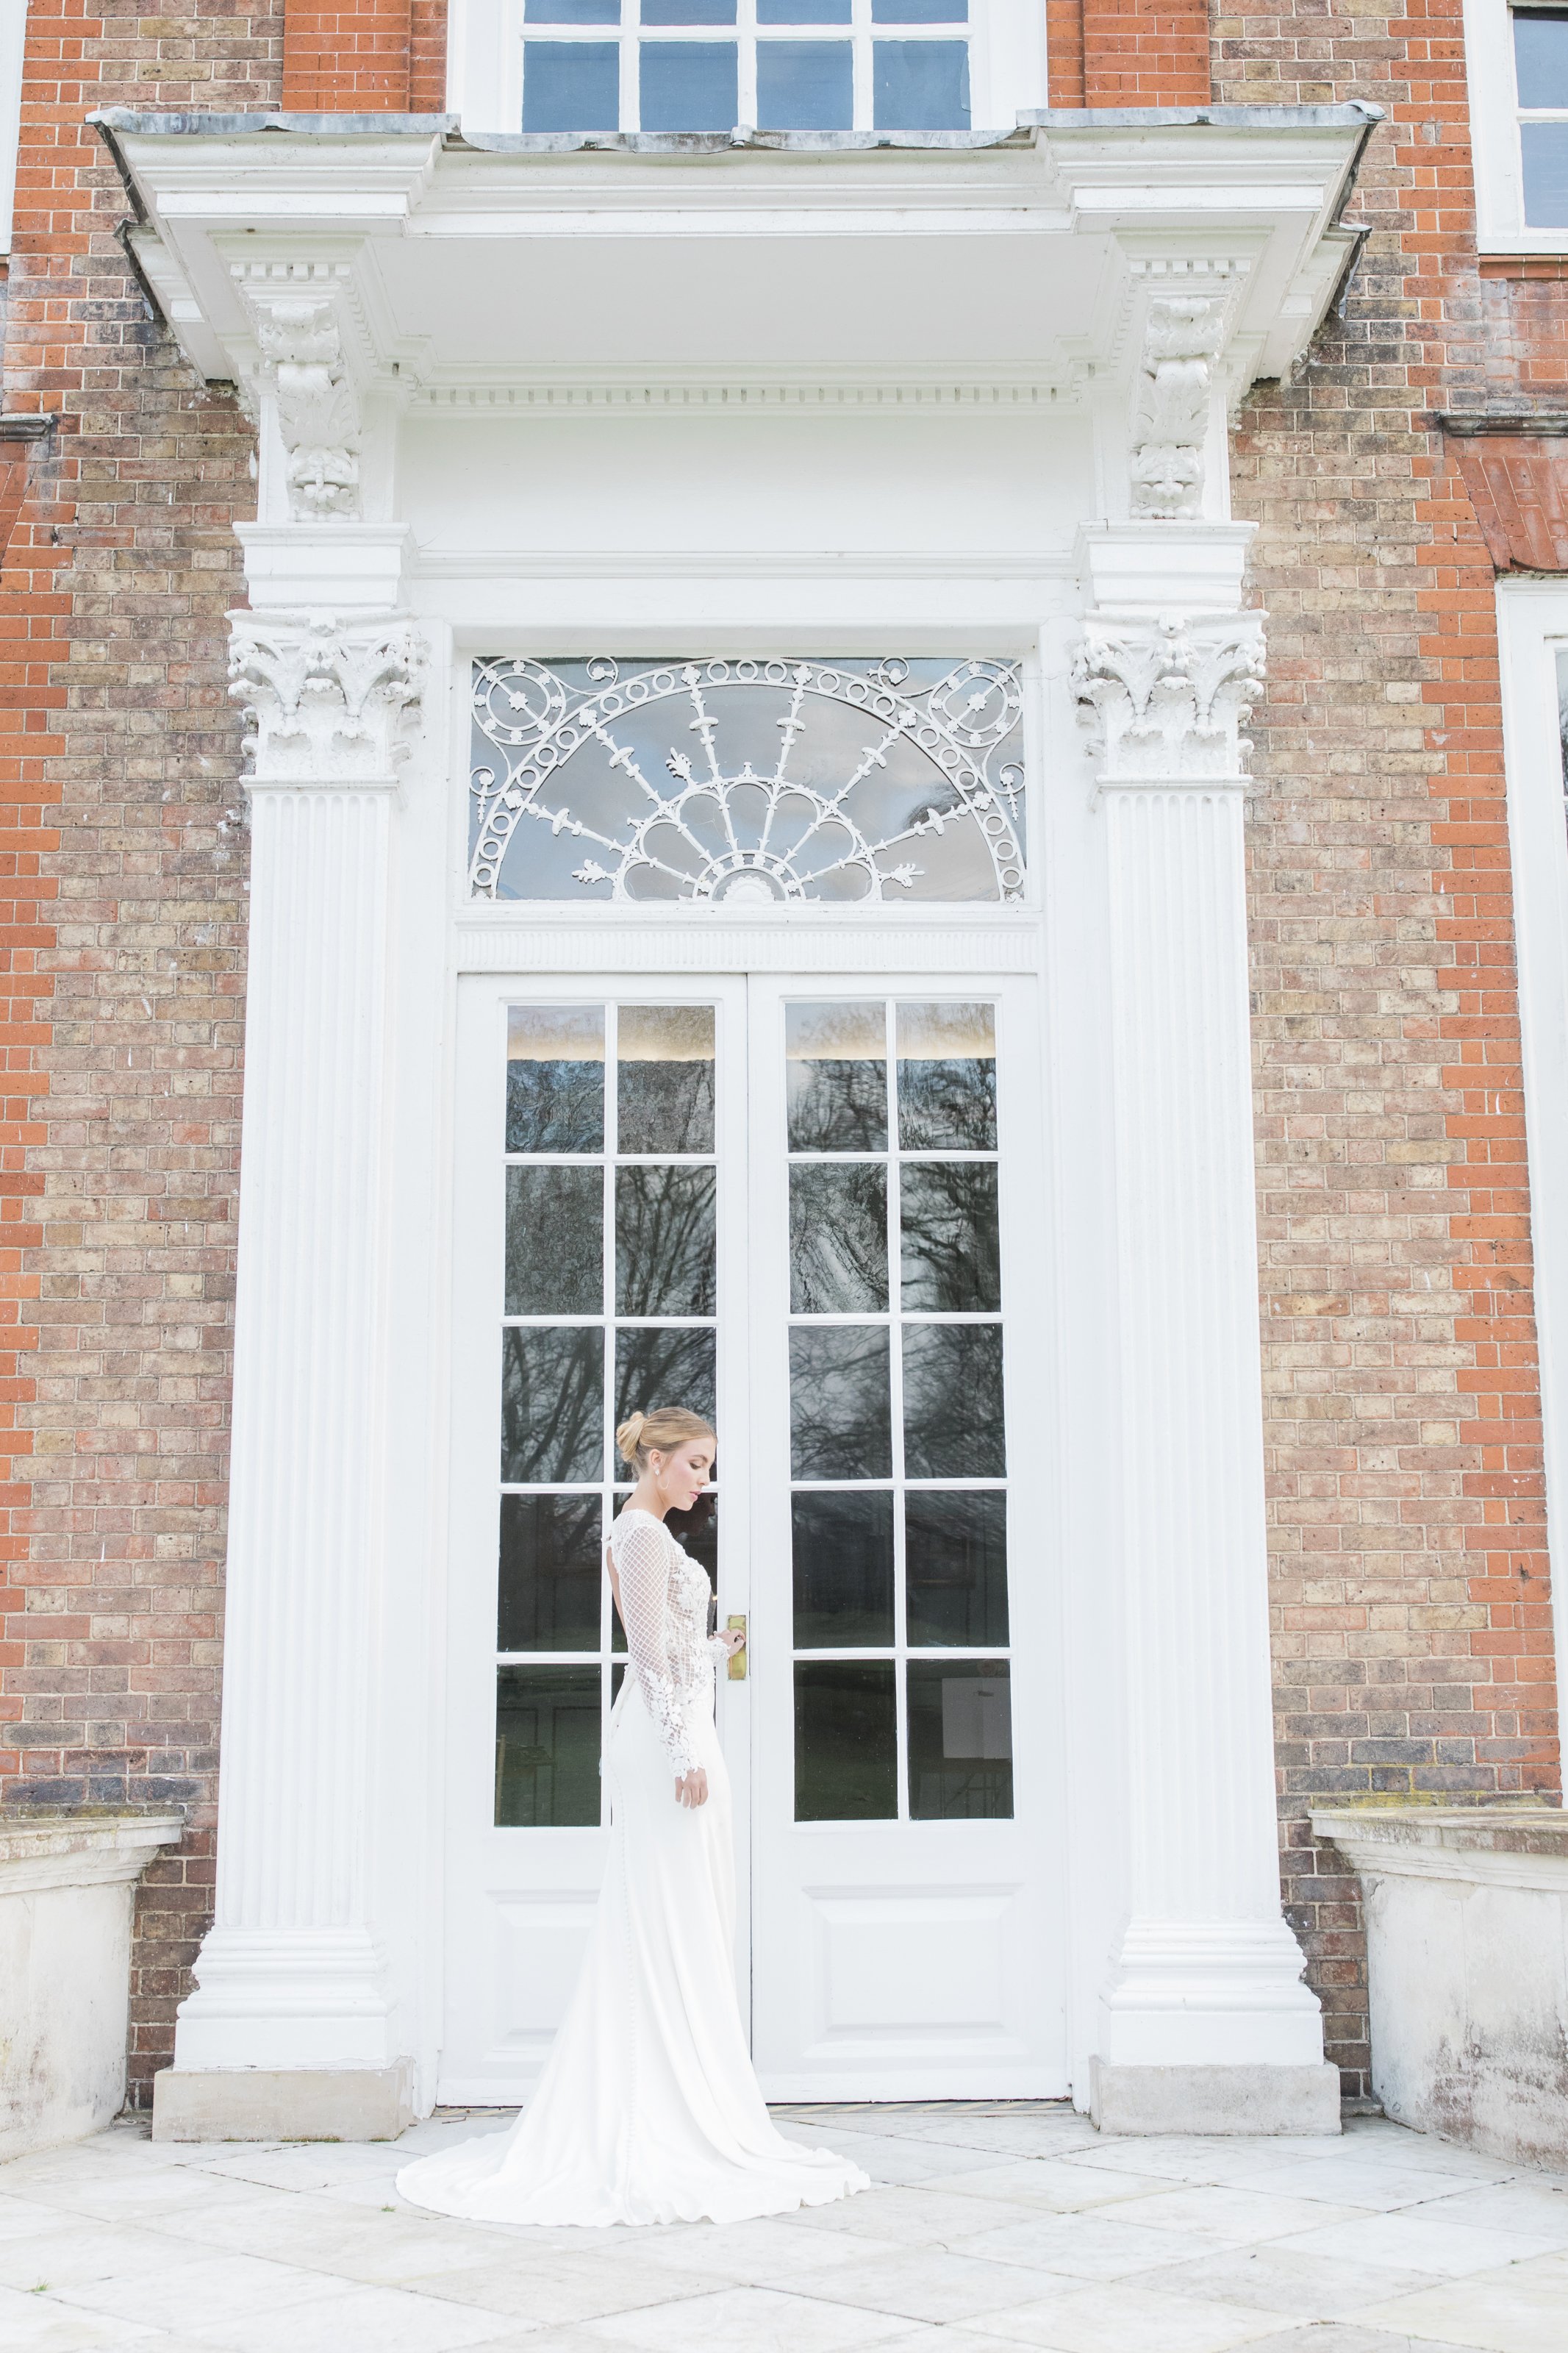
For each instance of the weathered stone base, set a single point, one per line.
(1215, 2099)
(294, 2104)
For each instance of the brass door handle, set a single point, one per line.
(738, 1658)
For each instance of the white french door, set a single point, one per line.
(810, 1210)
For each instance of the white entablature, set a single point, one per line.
(1078, 255)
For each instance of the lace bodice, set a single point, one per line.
(664, 1609)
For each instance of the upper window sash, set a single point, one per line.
(1516, 57)
(12, 39)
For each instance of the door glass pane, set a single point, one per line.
(840, 1403)
(953, 1401)
(947, 1078)
(836, 1075)
(846, 1741)
(656, 1366)
(553, 1405)
(550, 1573)
(665, 1241)
(844, 1570)
(555, 1240)
(664, 1083)
(961, 1739)
(956, 1568)
(556, 1078)
(950, 1250)
(697, 1533)
(547, 1746)
(838, 1237)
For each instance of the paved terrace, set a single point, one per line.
(991, 2226)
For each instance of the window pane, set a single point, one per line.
(921, 85)
(951, 1254)
(846, 1742)
(804, 12)
(1541, 55)
(688, 85)
(570, 85)
(547, 1746)
(919, 12)
(688, 12)
(555, 1077)
(550, 1573)
(552, 1406)
(955, 1569)
(843, 1571)
(953, 1401)
(555, 1241)
(1545, 152)
(664, 1078)
(697, 1533)
(655, 1368)
(960, 1740)
(665, 1263)
(947, 1078)
(838, 1237)
(835, 1074)
(841, 1410)
(805, 86)
(572, 12)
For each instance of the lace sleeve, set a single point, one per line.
(643, 1566)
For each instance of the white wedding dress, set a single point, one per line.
(648, 2110)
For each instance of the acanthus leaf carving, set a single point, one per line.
(330, 702)
(1171, 414)
(1168, 699)
(318, 411)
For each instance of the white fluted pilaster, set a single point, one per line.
(291, 1975)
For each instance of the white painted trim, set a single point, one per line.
(78, 1852)
(1470, 1844)
(1533, 626)
(13, 44)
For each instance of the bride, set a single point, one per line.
(648, 2110)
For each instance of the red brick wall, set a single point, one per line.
(1412, 1628)
(1136, 54)
(122, 942)
(365, 57)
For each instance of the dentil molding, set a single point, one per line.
(1167, 699)
(331, 701)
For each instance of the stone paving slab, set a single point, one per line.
(991, 2226)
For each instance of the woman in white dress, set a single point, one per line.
(648, 2110)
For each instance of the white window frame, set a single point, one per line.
(484, 74)
(1532, 630)
(13, 43)
(1494, 131)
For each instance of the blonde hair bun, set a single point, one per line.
(659, 1432)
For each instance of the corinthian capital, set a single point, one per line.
(331, 701)
(1168, 699)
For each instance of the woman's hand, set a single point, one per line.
(692, 1788)
(733, 1639)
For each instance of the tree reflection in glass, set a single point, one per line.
(555, 1077)
(553, 1405)
(655, 1367)
(835, 1077)
(840, 1409)
(838, 1237)
(550, 1571)
(953, 1401)
(955, 1568)
(947, 1078)
(664, 1081)
(555, 1241)
(952, 1258)
(665, 1263)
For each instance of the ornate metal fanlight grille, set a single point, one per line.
(748, 782)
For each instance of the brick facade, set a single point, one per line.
(1412, 1636)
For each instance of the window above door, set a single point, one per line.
(754, 783)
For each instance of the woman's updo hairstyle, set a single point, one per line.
(659, 1432)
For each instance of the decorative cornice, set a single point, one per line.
(1171, 418)
(331, 702)
(1167, 699)
(302, 347)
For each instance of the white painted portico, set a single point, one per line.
(786, 394)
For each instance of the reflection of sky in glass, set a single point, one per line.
(1562, 711)
(840, 782)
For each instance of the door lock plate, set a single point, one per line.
(738, 1663)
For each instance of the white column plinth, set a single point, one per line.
(291, 1976)
(1204, 2023)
